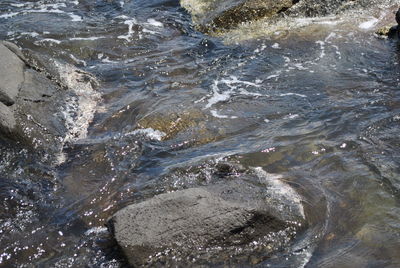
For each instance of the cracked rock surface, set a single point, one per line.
(34, 101)
(28, 100)
(215, 221)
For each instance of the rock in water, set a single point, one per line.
(219, 15)
(216, 220)
(391, 32)
(36, 95)
(7, 119)
(12, 75)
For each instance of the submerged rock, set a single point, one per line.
(219, 15)
(213, 223)
(38, 97)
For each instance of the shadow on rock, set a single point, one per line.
(43, 103)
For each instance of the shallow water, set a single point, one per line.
(318, 106)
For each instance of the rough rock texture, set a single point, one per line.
(12, 75)
(37, 96)
(314, 8)
(7, 119)
(218, 15)
(192, 221)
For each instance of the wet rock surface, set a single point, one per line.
(317, 105)
(33, 98)
(212, 222)
(217, 15)
(12, 75)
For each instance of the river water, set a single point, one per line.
(316, 103)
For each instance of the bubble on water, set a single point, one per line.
(96, 230)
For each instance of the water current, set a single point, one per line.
(316, 103)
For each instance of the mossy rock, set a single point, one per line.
(173, 123)
(214, 16)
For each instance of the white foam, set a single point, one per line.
(307, 257)
(262, 48)
(9, 15)
(234, 80)
(148, 132)
(217, 115)
(217, 96)
(77, 60)
(281, 190)
(368, 24)
(155, 23)
(272, 76)
(276, 46)
(33, 34)
(293, 94)
(96, 230)
(330, 36)
(74, 17)
(92, 38)
(130, 24)
(248, 93)
(291, 116)
(50, 40)
(234, 85)
(17, 5)
(79, 109)
(322, 45)
(148, 31)
(107, 60)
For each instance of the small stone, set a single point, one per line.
(384, 31)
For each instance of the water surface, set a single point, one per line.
(317, 105)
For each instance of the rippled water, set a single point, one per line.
(318, 105)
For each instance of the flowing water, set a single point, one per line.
(316, 104)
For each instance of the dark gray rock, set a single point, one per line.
(12, 75)
(43, 103)
(215, 220)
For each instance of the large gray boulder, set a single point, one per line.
(214, 221)
(40, 98)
